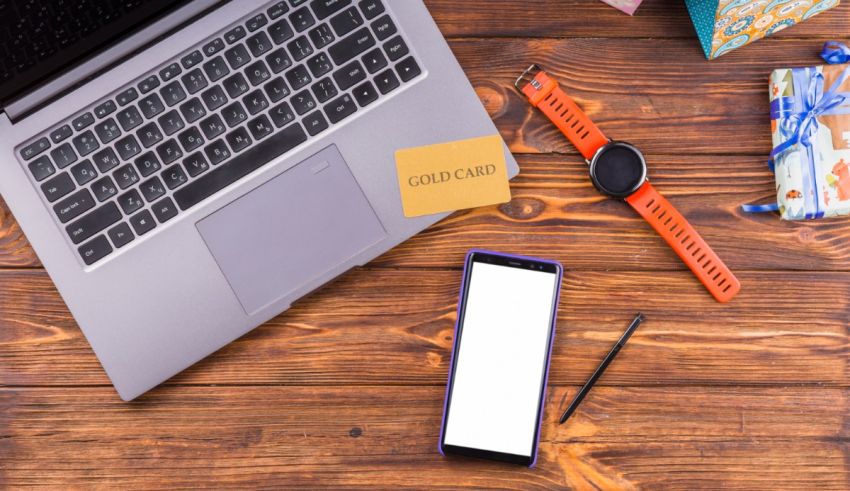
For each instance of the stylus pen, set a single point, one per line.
(601, 369)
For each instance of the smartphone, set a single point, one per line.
(500, 360)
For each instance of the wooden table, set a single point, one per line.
(346, 389)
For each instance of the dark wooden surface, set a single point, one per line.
(345, 390)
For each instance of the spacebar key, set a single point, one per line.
(242, 165)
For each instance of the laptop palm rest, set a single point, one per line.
(291, 230)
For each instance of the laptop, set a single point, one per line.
(186, 170)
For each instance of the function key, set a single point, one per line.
(366, 94)
(142, 222)
(63, 155)
(234, 34)
(213, 47)
(192, 59)
(74, 205)
(164, 210)
(408, 69)
(41, 168)
(349, 75)
(57, 187)
(353, 45)
(340, 109)
(384, 27)
(121, 235)
(277, 10)
(94, 222)
(296, 3)
(347, 21)
(315, 123)
(169, 72)
(148, 84)
(105, 109)
(302, 19)
(387, 82)
(371, 8)
(256, 22)
(83, 172)
(326, 8)
(95, 250)
(35, 148)
(82, 121)
(375, 60)
(60, 134)
(127, 96)
(396, 48)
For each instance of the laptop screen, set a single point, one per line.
(41, 38)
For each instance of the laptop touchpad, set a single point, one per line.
(291, 230)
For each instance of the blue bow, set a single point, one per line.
(835, 53)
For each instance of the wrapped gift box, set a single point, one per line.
(627, 6)
(723, 25)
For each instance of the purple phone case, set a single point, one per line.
(466, 263)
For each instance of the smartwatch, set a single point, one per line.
(618, 170)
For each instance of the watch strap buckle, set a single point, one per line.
(528, 77)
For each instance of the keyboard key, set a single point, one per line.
(216, 69)
(236, 85)
(371, 8)
(396, 48)
(259, 44)
(93, 223)
(217, 152)
(142, 222)
(296, 3)
(276, 89)
(170, 72)
(260, 127)
(384, 28)
(192, 59)
(129, 118)
(366, 94)
(41, 168)
(95, 250)
(149, 135)
(375, 60)
(107, 131)
(121, 235)
(321, 36)
(214, 98)
(172, 93)
(83, 172)
(408, 69)
(147, 164)
(127, 96)
(257, 73)
(300, 48)
(282, 115)
(303, 102)
(212, 126)
(324, 89)
(234, 114)
(340, 108)
(164, 210)
(171, 122)
(58, 187)
(169, 152)
(174, 177)
(238, 139)
(194, 81)
(193, 110)
(387, 82)
(241, 165)
(237, 56)
(61, 133)
(255, 102)
(326, 8)
(196, 164)
(277, 10)
(234, 34)
(130, 202)
(126, 176)
(35, 148)
(82, 121)
(279, 60)
(152, 189)
(349, 75)
(213, 47)
(302, 19)
(106, 160)
(85, 143)
(63, 155)
(104, 188)
(298, 77)
(190, 139)
(315, 123)
(347, 21)
(74, 205)
(320, 64)
(353, 45)
(280, 31)
(151, 106)
(256, 22)
(148, 84)
(128, 147)
(104, 109)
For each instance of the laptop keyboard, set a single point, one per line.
(222, 110)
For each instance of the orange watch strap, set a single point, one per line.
(687, 243)
(545, 94)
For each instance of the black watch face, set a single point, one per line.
(618, 169)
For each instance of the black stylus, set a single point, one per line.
(601, 369)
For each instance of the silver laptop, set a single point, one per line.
(186, 170)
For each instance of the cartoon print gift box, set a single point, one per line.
(723, 25)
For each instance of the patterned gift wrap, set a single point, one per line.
(723, 25)
(627, 6)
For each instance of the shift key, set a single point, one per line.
(94, 222)
(353, 45)
(74, 205)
